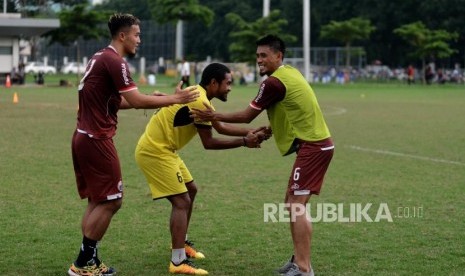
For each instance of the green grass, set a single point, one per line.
(395, 144)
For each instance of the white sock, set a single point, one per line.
(178, 255)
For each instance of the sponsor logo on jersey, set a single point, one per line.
(124, 72)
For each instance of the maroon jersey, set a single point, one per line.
(271, 91)
(107, 75)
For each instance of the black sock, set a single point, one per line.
(88, 252)
(97, 260)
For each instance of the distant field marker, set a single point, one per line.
(385, 152)
(333, 110)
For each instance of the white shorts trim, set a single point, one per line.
(327, 148)
(85, 132)
(114, 196)
(302, 192)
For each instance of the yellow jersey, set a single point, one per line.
(171, 127)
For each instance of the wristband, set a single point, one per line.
(245, 142)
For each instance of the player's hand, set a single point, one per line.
(186, 95)
(206, 114)
(263, 133)
(252, 140)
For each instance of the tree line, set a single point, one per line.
(382, 43)
(393, 31)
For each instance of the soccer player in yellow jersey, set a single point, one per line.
(298, 126)
(169, 130)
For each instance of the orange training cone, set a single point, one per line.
(15, 98)
(142, 79)
(8, 81)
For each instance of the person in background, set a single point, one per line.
(185, 72)
(410, 74)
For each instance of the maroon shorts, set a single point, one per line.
(97, 168)
(310, 167)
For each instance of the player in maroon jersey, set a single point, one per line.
(106, 87)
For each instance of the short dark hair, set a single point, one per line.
(119, 21)
(274, 42)
(214, 71)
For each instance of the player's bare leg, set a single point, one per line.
(180, 205)
(178, 226)
(301, 230)
(97, 218)
(94, 224)
(191, 251)
(192, 191)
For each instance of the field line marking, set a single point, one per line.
(333, 110)
(424, 158)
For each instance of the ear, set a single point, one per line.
(213, 82)
(122, 36)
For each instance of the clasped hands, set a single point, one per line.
(255, 137)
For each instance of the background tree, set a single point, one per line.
(245, 34)
(426, 43)
(141, 10)
(78, 23)
(178, 11)
(165, 11)
(347, 32)
(31, 8)
(385, 16)
(215, 39)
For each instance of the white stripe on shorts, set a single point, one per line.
(302, 192)
(327, 148)
(114, 196)
(85, 132)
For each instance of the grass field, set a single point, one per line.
(397, 146)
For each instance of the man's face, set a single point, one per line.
(132, 40)
(268, 60)
(224, 88)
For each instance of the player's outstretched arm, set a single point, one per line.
(250, 140)
(135, 99)
(263, 133)
(208, 114)
(230, 129)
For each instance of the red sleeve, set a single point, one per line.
(122, 77)
(118, 69)
(271, 91)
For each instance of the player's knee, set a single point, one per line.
(192, 189)
(181, 202)
(184, 204)
(115, 205)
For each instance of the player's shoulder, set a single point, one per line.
(108, 54)
(272, 82)
(199, 103)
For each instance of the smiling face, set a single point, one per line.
(125, 33)
(131, 40)
(268, 59)
(222, 89)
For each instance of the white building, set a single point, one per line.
(12, 28)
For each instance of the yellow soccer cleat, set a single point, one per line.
(90, 269)
(106, 270)
(186, 267)
(191, 252)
